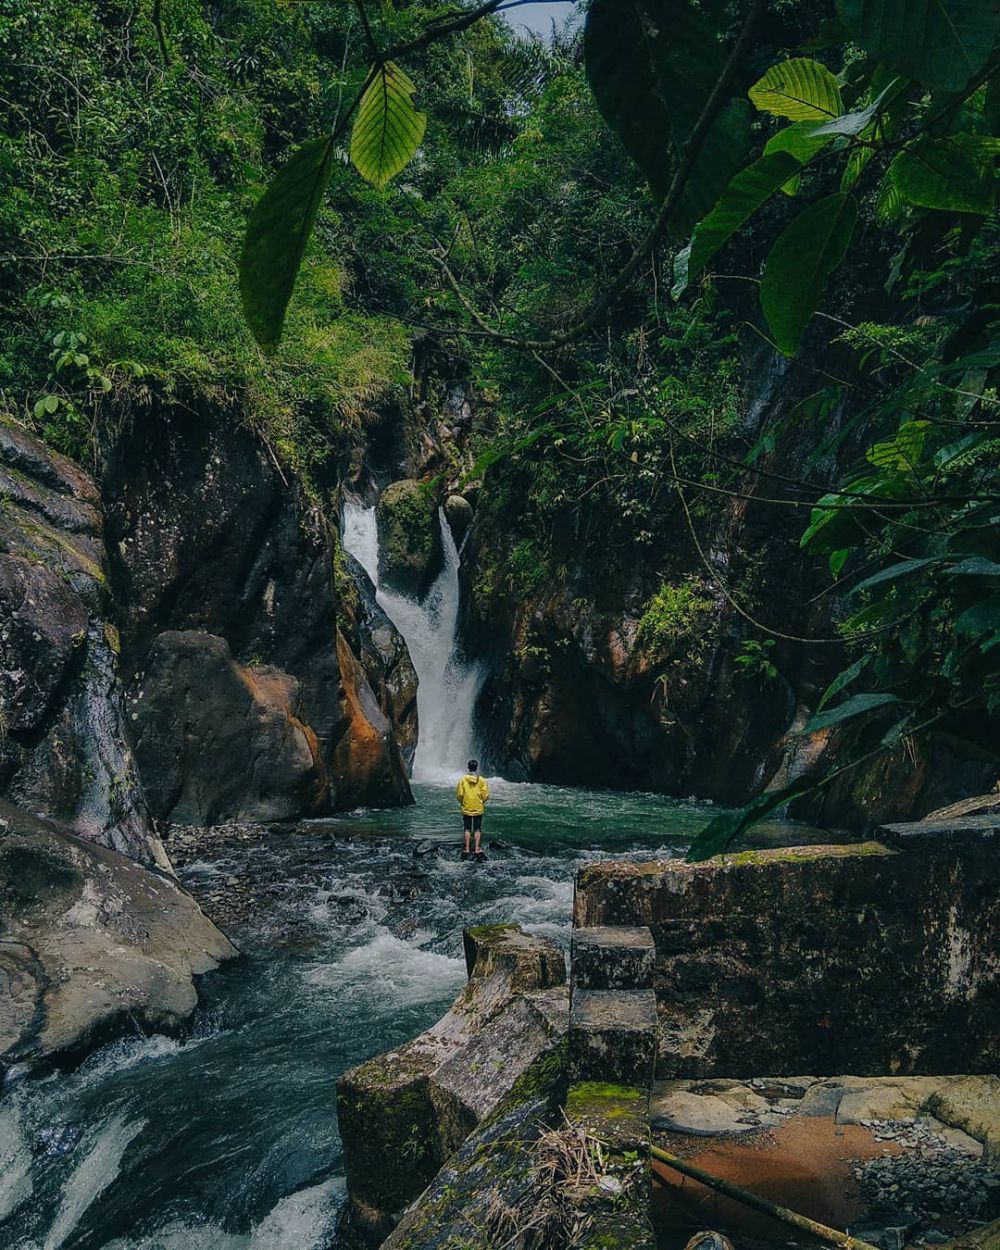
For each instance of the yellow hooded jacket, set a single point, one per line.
(472, 792)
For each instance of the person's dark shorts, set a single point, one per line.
(473, 824)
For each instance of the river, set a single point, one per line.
(227, 1138)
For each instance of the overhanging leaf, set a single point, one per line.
(956, 173)
(801, 140)
(892, 574)
(850, 124)
(841, 680)
(721, 155)
(277, 234)
(652, 66)
(388, 129)
(975, 566)
(721, 832)
(799, 89)
(750, 189)
(901, 452)
(982, 619)
(940, 42)
(802, 258)
(857, 705)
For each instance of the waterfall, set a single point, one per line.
(448, 684)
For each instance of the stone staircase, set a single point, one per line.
(612, 1058)
(612, 1020)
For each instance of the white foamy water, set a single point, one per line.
(15, 1162)
(301, 1221)
(449, 684)
(92, 1175)
(391, 970)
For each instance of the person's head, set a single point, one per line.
(473, 766)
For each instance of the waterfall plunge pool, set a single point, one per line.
(227, 1139)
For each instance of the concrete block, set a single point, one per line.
(612, 1036)
(606, 957)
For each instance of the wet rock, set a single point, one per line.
(216, 741)
(366, 758)
(458, 513)
(383, 655)
(409, 537)
(207, 534)
(612, 1036)
(90, 941)
(884, 1100)
(63, 746)
(607, 957)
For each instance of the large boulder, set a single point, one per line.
(63, 749)
(409, 534)
(458, 513)
(218, 741)
(90, 941)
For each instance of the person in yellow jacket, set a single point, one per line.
(473, 794)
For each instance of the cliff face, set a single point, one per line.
(63, 746)
(242, 702)
(617, 658)
(170, 645)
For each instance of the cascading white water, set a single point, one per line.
(449, 685)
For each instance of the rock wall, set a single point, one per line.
(880, 957)
(242, 701)
(580, 694)
(63, 746)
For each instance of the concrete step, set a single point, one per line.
(612, 1036)
(606, 957)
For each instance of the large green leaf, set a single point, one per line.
(721, 832)
(801, 139)
(388, 129)
(723, 152)
(841, 680)
(802, 258)
(940, 42)
(745, 194)
(957, 173)
(277, 234)
(857, 705)
(895, 571)
(799, 89)
(903, 451)
(652, 65)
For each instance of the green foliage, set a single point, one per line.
(753, 658)
(799, 264)
(750, 189)
(800, 90)
(276, 237)
(726, 828)
(651, 64)
(940, 42)
(388, 129)
(677, 616)
(956, 173)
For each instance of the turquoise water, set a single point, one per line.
(227, 1139)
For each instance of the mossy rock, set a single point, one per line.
(409, 534)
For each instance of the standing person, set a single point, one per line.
(473, 794)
